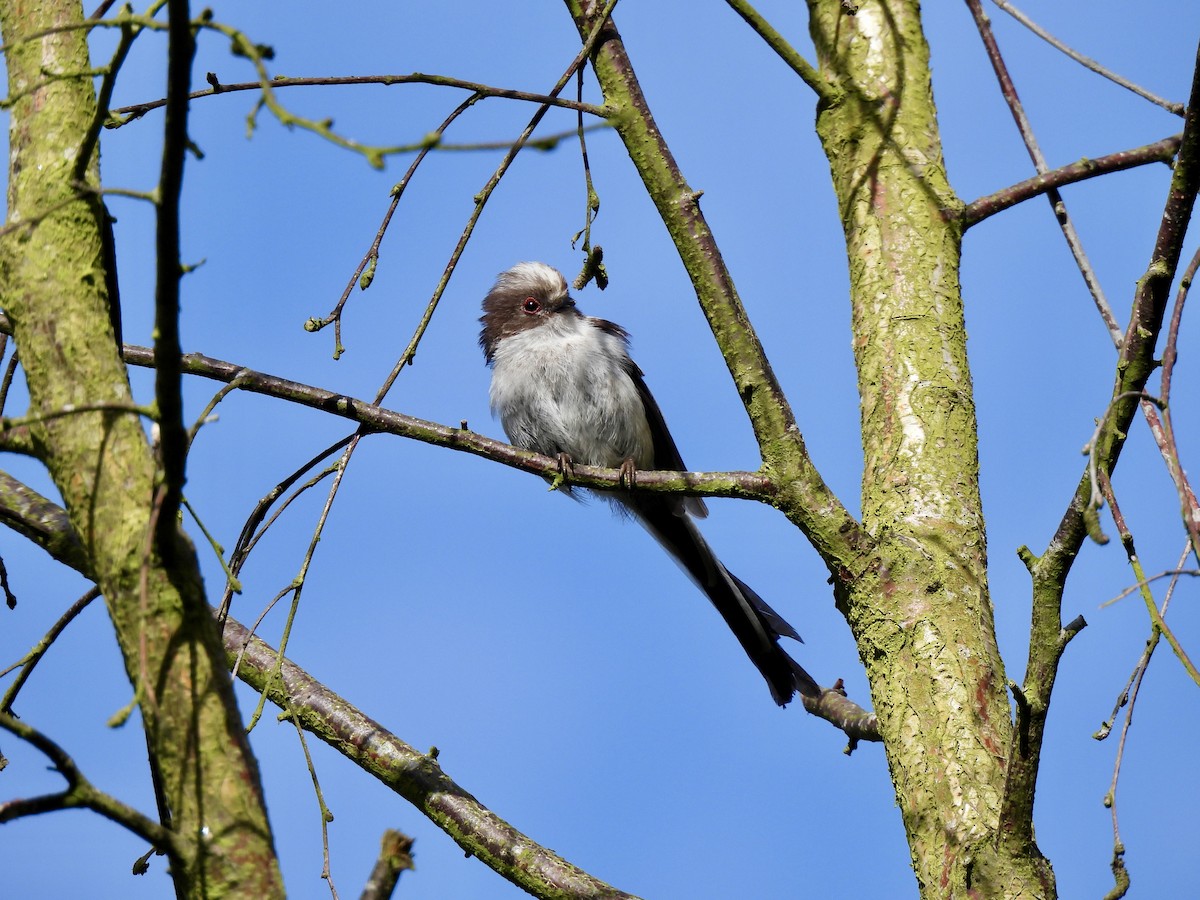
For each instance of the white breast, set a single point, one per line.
(563, 387)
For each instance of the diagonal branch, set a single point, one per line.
(803, 496)
(414, 775)
(797, 63)
(977, 210)
(1087, 62)
(1135, 363)
(1009, 90)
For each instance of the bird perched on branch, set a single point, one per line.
(563, 385)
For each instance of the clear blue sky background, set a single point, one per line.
(573, 679)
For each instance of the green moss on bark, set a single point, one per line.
(921, 614)
(53, 285)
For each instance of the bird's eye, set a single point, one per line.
(531, 305)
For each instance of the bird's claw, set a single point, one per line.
(566, 471)
(628, 473)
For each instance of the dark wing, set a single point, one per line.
(666, 454)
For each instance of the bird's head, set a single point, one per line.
(526, 296)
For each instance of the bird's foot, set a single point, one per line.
(566, 471)
(628, 473)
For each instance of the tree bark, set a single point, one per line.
(88, 433)
(921, 613)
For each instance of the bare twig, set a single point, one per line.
(1150, 579)
(1163, 428)
(593, 257)
(326, 815)
(1128, 699)
(129, 113)
(414, 775)
(1087, 62)
(34, 656)
(978, 210)
(1136, 564)
(1090, 450)
(1009, 90)
(365, 273)
(797, 63)
(251, 533)
(395, 855)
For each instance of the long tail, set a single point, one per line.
(753, 622)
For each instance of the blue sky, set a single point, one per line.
(572, 678)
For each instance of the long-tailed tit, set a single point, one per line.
(563, 385)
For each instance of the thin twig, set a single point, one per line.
(296, 588)
(1155, 616)
(977, 210)
(593, 257)
(1087, 62)
(1009, 90)
(34, 656)
(798, 64)
(1150, 579)
(129, 113)
(1091, 447)
(1128, 699)
(1163, 429)
(365, 273)
(326, 815)
(248, 538)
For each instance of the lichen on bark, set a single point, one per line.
(91, 439)
(921, 614)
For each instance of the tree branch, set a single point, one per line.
(410, 773)
(741, 485)
(802, 494)
(825, 91)
(977, 210)
(1009, 90)
(1135, 363)
(413, 775)
(80, 793)
(127, 114)
(168, 378)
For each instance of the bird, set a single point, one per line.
(564, 385)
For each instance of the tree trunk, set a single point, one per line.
(921, 613)
(89, 435)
